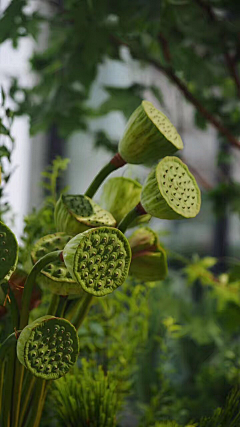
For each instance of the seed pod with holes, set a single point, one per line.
(77, 213)
(149, 136)
(55, 276)
(149, 260)
(48, 347)
(120, 195)
(8, 252)
(171, 191)
(98, 259)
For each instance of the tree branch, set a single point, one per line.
(230, 61)
(169, 72)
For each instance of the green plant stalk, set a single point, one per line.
(114, 164)
(26, 395)
(83, 310)
(53, 304)
(19, 368)
(61, 305)
(5, 347)
(130, 217)
(72, 307)
(2, 371)
(8, 388)
(34, 415)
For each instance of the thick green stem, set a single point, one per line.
(83, 310)
(72, 307)
(130, 217)
(115, 163)
(28, 287)
(26, 395)
(8, 388)
(53, 304)
(61, 306)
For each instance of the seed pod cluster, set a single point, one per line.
(48, 347)
(77, 213)
(98, 259)
(55, 276)
(171, 191)
(149, 136)
(8, 252)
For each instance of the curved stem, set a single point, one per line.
(130, 217)
(114, 164)
(83, 310)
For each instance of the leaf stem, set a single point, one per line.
(83, 310)
(130, 217)
(114, 164)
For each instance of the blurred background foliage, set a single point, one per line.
(170, 350)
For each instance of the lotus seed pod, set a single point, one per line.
(171, 191)
(77, 213)
(149, 260)
(55, 276)
(149, 136)
(8, 252)
(98, 259)
(120, 195)
(48, 347)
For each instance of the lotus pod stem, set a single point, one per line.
(8, 252)
(98, 259)
(48, 347)
(170, 191)
(77, 213)
(149, 136)
(131, 216)
(115, 163)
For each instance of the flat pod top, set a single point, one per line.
(178, 187)
(98, 259)
(48, 347)
(8, 252)
(76, 213)
(163, 124)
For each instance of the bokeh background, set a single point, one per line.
(73, 71)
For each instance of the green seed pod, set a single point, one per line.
(8, 252)
(149, 259)
(171, 191)
(55, 276)
(120, 195)
(98, 259)
(149, 136)
(40, 351)
(77, 213)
